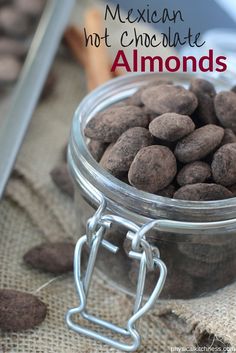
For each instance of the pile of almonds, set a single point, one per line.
(17, 24)
(170, 141)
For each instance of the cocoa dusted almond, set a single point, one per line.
(171, 126)
(108, 125)
(97, 148)
(203, 192)
(106, 154)
(167, 191)
(122, 153)
(199, 143)
(135, 99)
(205, 93)
(224, 165)
(169, 99)
(62, 179)
(225, 106)
(20, 311)
(232, 188)
(153, 168)
(149, 113)
(229, 137)
(54, 257)
(193, 173)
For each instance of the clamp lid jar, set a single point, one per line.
(199, 255)
(199, 259)
(143, 243)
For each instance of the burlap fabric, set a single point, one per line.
(34, 210)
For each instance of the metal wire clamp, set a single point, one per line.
(142, 251)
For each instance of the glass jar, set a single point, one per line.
(196, 240)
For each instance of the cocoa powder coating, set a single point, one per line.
(225, 106)
(199, 143)
(153, 168)
(108, 125)
(224, 165)
(51, 257)
(122, 153)
(20, 311)
(193, 173)
(205, 93)
(171, 126)
(169, 99)
(203, 192)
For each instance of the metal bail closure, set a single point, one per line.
(82, 282)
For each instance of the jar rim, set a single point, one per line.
(78, 147)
